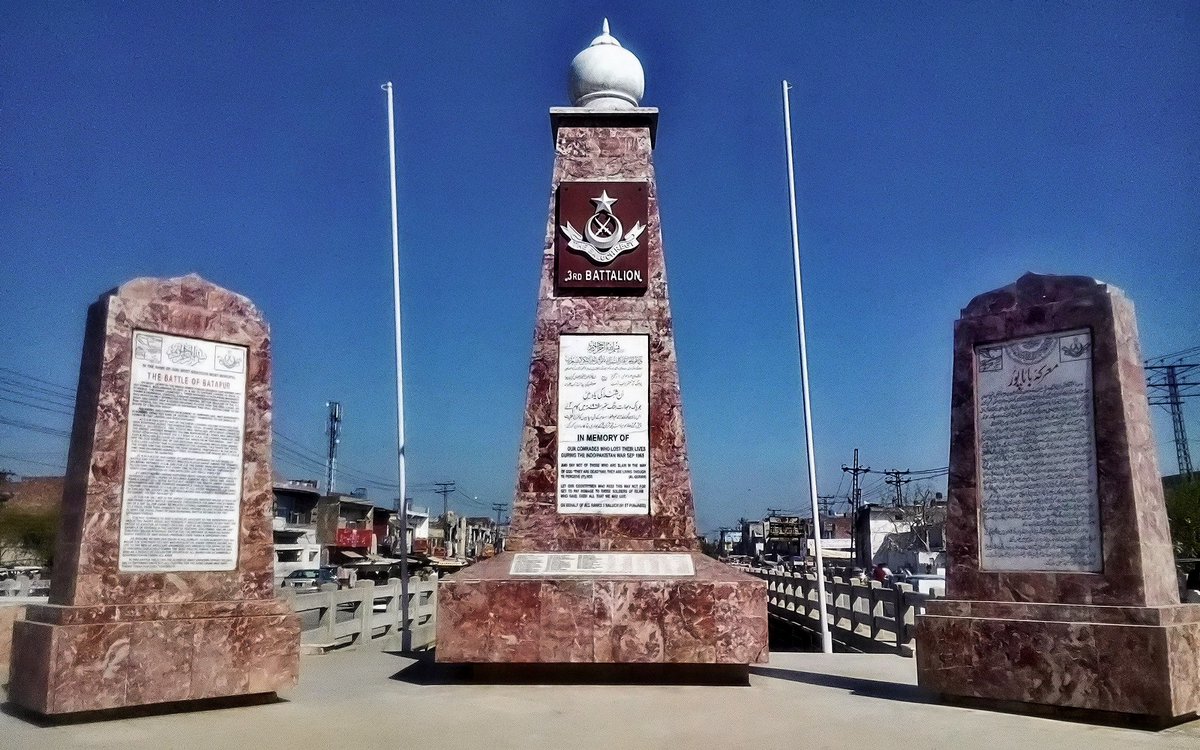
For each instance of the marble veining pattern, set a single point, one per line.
(1117, 640)
(717, 616)
(109, 639)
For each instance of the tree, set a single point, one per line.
(5, 486)
(1183, 514)
(28, 536)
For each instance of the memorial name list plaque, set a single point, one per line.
(602, 563)
(604, 424)
(1037, 453)
(183, 480)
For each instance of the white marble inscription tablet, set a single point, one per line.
(1037, 453)
(601, 564)
(604, 424)
(181, 504)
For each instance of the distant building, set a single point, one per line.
(752, 541)
(294, 527)
(836, 537)
(418, 533)
(345, 529)
(783, 535)
(728, 542)
(900, 537)
(476, 537)
(469, 537)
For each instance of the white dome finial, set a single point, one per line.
(606, 76)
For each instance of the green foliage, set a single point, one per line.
(1183, 513)
(28, 536)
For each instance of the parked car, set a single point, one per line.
(310, 579)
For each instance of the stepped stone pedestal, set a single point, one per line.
(603, 565)
(163, 576)
(1061, 586)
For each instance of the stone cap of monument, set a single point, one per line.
(605, 76)
(582, 117)
(1032, 289)
(191, 289)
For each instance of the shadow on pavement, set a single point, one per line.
(138, 712)
(893, 691)
(425, 671)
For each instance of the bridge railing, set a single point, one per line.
(24, 586)
(863, 615)
(366, 615)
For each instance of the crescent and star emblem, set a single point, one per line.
(601, 239)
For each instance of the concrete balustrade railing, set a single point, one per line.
(864, 616)
(24, 586)
(366, 615)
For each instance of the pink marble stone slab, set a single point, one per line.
(1136, 542)
(1117, 640)
(615, 153)
(717, 616)
(112, 639)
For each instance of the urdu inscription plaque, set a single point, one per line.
(604, 424)
(181, 503)
(1039, 507)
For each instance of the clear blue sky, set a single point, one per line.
(943, 149)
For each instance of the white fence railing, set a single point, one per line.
(366, 615)
(24, 586)
(864, 616)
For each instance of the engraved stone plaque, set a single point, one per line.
(1039, 508)
(604, 424)
(182, 493)
(602, 564)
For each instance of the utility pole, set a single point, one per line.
(445, 489)
(335, 430)
(1169, 383)
(499, 508)
(855, 502)
(826, 503)
(893, 478)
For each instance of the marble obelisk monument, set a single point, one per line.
(163, 587)
(1061, 585)
(603, 563)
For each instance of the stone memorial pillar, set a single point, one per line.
(1061, 583)
(163, 576)
(603, 565)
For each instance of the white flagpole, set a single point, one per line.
(826, 640)
(406, 633)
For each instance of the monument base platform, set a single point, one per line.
(1134, 661)
(487, 615)
(91, 658)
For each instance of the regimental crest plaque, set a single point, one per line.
(600, 238)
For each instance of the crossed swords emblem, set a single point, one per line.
(601, 239)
